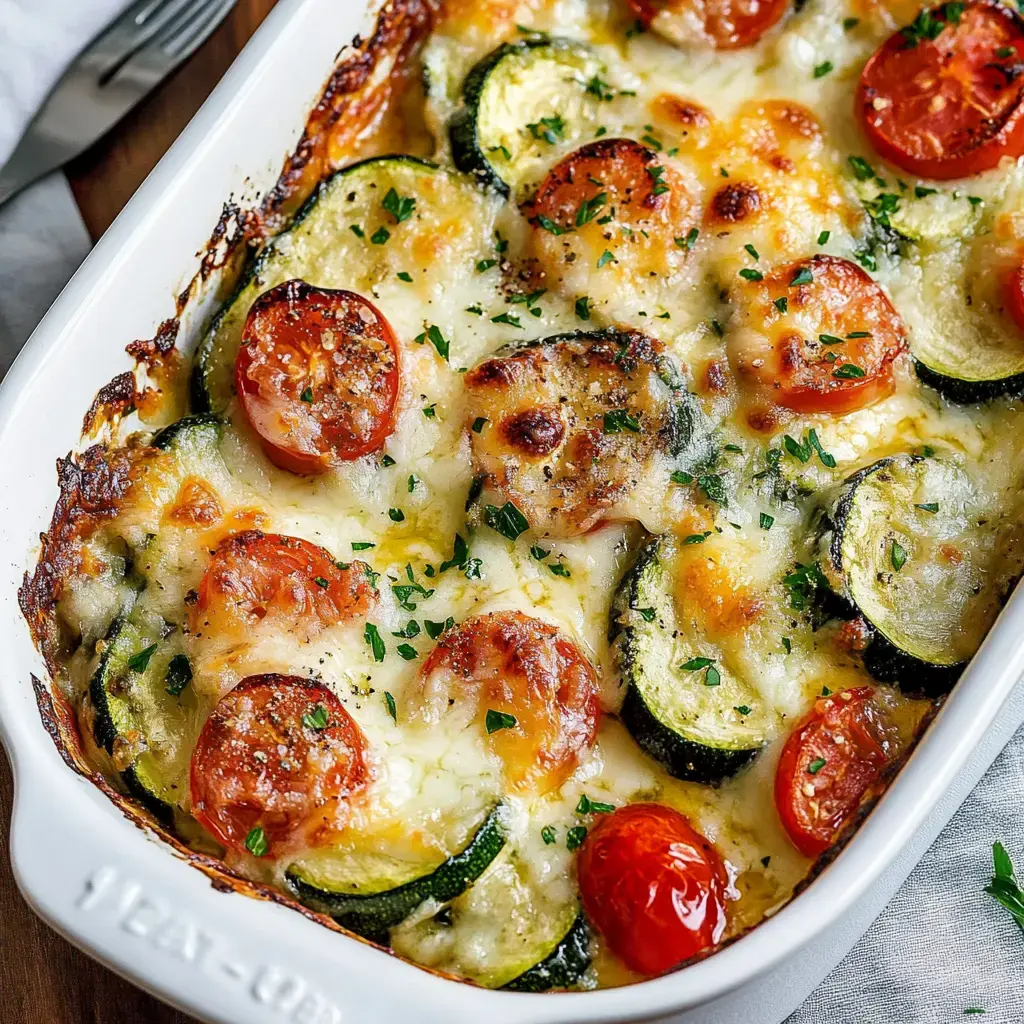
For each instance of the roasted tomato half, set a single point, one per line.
(572, 425)
(828, 764)
(255, 576)
(721, 24)
(653, 886)
(317, 374)
(529, 687)
(276, 764)
(817, 335)
(944, 97)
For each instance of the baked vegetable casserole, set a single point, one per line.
(605, 457)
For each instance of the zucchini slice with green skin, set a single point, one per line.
(563, 966)
(500, 134)
(198, 432)
(913, 545)
(685, 717)
(969, 378)
(371, 895)
(145, 711)
(345, 223)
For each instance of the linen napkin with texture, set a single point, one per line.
(942, 951)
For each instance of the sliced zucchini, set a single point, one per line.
(513, 929)
(370, 894)
(969, 368)
(913, 545)
(682, 703)
(520, 102)
(343, 237)
(922, 214)
(198, 433)
(563, 966)
(147, 717)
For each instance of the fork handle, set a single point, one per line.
(31, 160)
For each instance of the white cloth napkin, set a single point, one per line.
(42, 237)
(941, 948)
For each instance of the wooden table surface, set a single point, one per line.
(43, 979)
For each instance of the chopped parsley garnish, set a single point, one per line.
(506, 318)
(498, 720)
(396, 515)
(362, 545)
(407, 651)
(435, 629)
(920, 191)
(413, 481)
(583, 307)
(657, 175)
(390, 702)
(862, 170)
(410, 631)
(538, 552)
(787, 645)
(479, 423)
(588, 806)
(139, 661)
(605, 258)
(179, 675)
(430, 411)
(589, 208)
(550, 129)
(712, 677)
(371, 635)
(380, 236)
(549, 225)
(558, 569)
(547, 833)
(1004, 888)
(404, 592)
(926, 26)
(848, 371)
(315, 719)
(849, 23)
(805, 449)
(307, 395)
(404, 275)
(647, 614)
(436, 338)
(321, 582)
(506, 520)
(897, 555)
(256, 842)
(766, 521)
(400, 207)
(823, 237)
(802, 276)
(822, 69)
(601, 89)
(717, 328)
(695, 664)
(483, 266)
(357, 230)
(617, 421)
(696, 538)
(816, 765)
(752, 251)
(575, 836)
(781, 304)
(803, 583)
(690, 240)
(387, 461)
(751, 275)
(930, 506)
(742, 709)
(713, 487)
(830, 339)
(679, 476)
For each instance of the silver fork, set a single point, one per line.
(125, 62)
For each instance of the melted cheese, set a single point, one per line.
(765, 144)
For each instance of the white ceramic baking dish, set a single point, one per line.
(123, 896)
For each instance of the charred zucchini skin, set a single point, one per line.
(969, 392)
(684, 758)
(882, 658)
(372, 915)
(563, 966)
(202, 397)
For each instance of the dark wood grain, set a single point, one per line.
(44, 979)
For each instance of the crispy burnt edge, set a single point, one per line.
(357, 93)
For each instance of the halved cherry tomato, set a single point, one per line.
(613, 197)
(827, 765)
(833, 348)
(944, 97)
(278, 753)
(722, 24)
(509, 664)
(1015, 295)
(317, 375)
(255, 576)
(653, 886)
